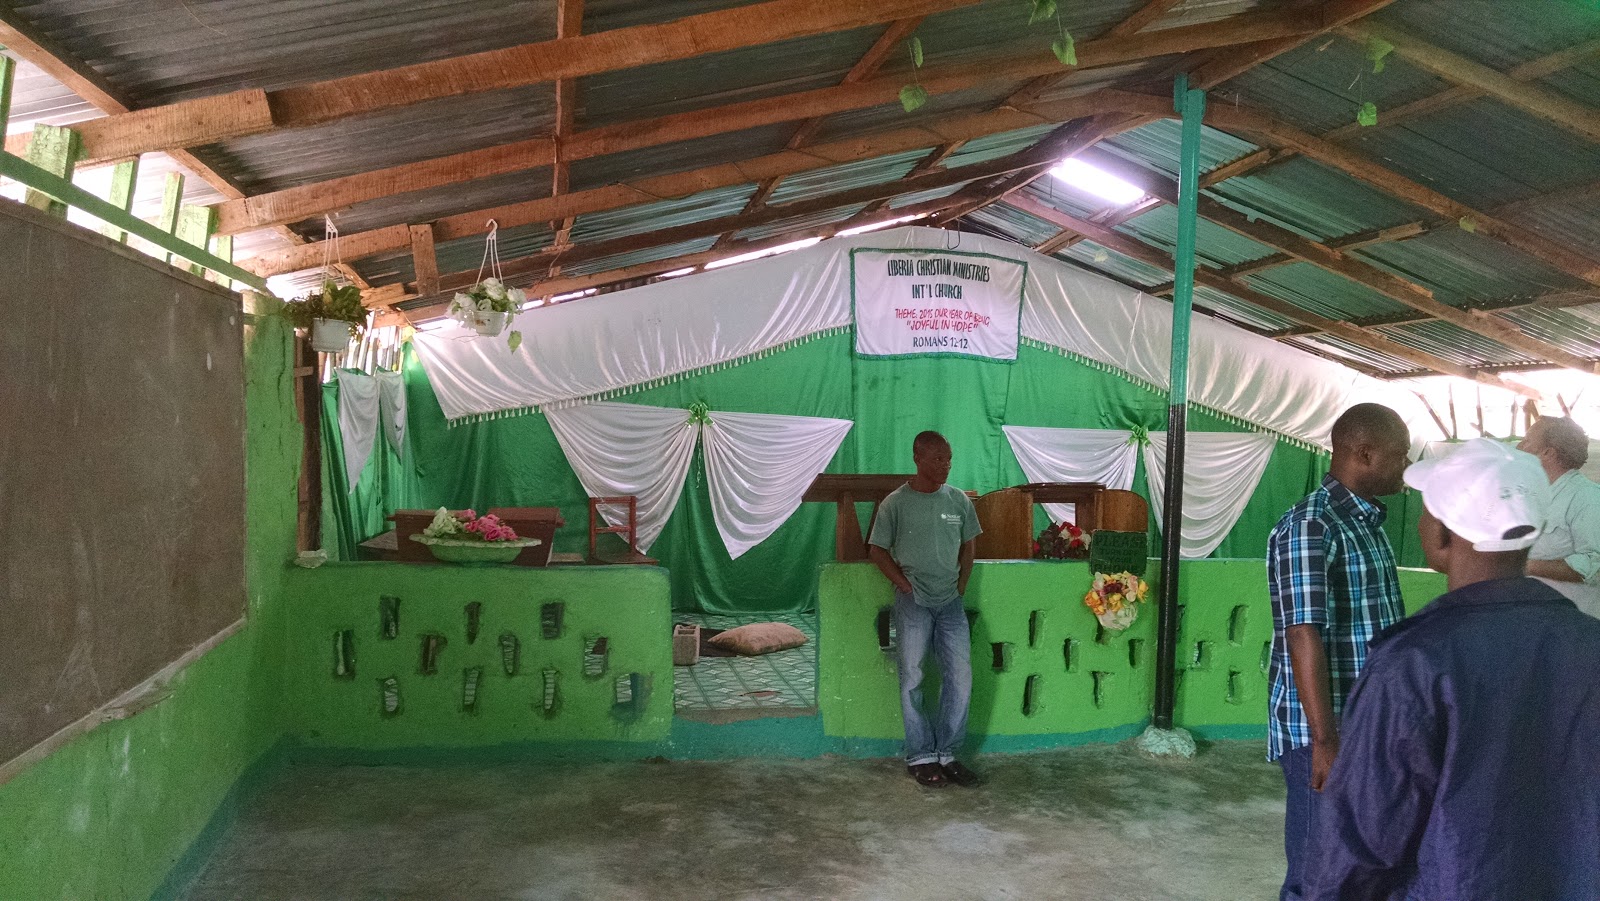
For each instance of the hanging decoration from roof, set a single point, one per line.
(489, 306)
(757, 465)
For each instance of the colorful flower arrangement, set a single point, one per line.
(1061, 541)
(468, 526)
(1115, 597)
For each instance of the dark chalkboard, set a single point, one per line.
(121, 470)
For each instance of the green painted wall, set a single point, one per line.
(111, 814)
(629, 605)
(1035, 611)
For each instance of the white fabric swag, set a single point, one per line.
(629, 449)
(1107, 456)
(1220, 472)
(363, 402)
(592, 348)
(392, 410)
(758, 465)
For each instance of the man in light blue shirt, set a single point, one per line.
(923, 542)
(1567, 555)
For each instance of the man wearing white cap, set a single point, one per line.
(1567, 555)
(1470, 762)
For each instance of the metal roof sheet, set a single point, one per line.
(800, 223)
(1576, 334)
(992, 147)
(1456, 344)
(1215, 246)
(677, 157)
(832, 180)
(1014, 224)
(1156, 145)
(1314, 200)
(633, 258)
(1499, 35)
(1241, 310)
(1464, 269)
(649, 217)
(1322, 292)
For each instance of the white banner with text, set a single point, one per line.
(918, 302)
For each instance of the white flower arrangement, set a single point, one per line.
(488, 307)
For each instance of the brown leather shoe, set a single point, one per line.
(955, 772)
(929, 774)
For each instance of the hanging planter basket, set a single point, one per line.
(330, 335)
(490, 325)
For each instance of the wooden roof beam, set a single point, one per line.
(932, 133)
(1265, 128)
(305, 201)
(865, 68)
(1321, 255)
(1328, 15)
(192, 122)
(1146, 15)
(568, 284)
(1138, 250)
(1554, 108)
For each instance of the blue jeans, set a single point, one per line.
(945, 628)
(1302, 816)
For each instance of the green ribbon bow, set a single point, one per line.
(700, 413)
(1140, 436)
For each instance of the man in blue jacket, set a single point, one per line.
(1470, 760)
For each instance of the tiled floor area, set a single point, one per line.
(782, 680)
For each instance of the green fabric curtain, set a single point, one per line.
(387, 484)
(516, 461)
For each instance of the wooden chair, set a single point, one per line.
(1123, 511)
(629, 532)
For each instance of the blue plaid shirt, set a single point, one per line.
(1329, 564)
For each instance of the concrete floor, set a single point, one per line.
(1098, 822)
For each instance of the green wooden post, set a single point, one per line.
(56, 151)
(195, 225)
(171, 202)
(8, 68)
(124, 177)
(222, 247)
(1191, 104)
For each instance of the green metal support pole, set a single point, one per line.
(18, 169)
(1191, 104)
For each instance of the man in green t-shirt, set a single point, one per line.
(923, 542)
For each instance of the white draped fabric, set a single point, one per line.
(629, 449)
(1107, 456)
(592, 347)
(1220, 472)
(759, 465)
(392, 409)
(358, 422)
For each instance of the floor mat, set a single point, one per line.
(784, 679)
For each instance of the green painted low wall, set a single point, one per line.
(629, 606)
(1088, 683)
(113, 815)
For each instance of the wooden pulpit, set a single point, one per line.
(845, 491)
(1007, 515)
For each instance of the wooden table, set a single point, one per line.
(845, 491)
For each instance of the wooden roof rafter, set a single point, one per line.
(293, 204)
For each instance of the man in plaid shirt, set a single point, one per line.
(1331, 573)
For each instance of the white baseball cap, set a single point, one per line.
(1493, 495)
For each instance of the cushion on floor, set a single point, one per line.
(760, 638)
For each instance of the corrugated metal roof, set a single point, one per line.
(1566, 329)
(435, 203)
(1124, 269)
(1015, 224)
(1465, 269)
(38, 99)
(1241, 310)
(677, 157)
(633, 258)
(993, 147)
(1322, 292)
(1497, 34)
(832, 180)
(159, 53)
(1455, 344)
(920, 196)
(1362, 357)
(1156, 145)
(893, 115)
(1215, 246)
(1314, 200)
(635, 220)
(800, 223)
(1199, 12)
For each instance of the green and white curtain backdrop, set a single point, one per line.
(757, 465)
(775, 337)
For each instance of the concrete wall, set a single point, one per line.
(1088, 684)
(629, 606)
(111, 815)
